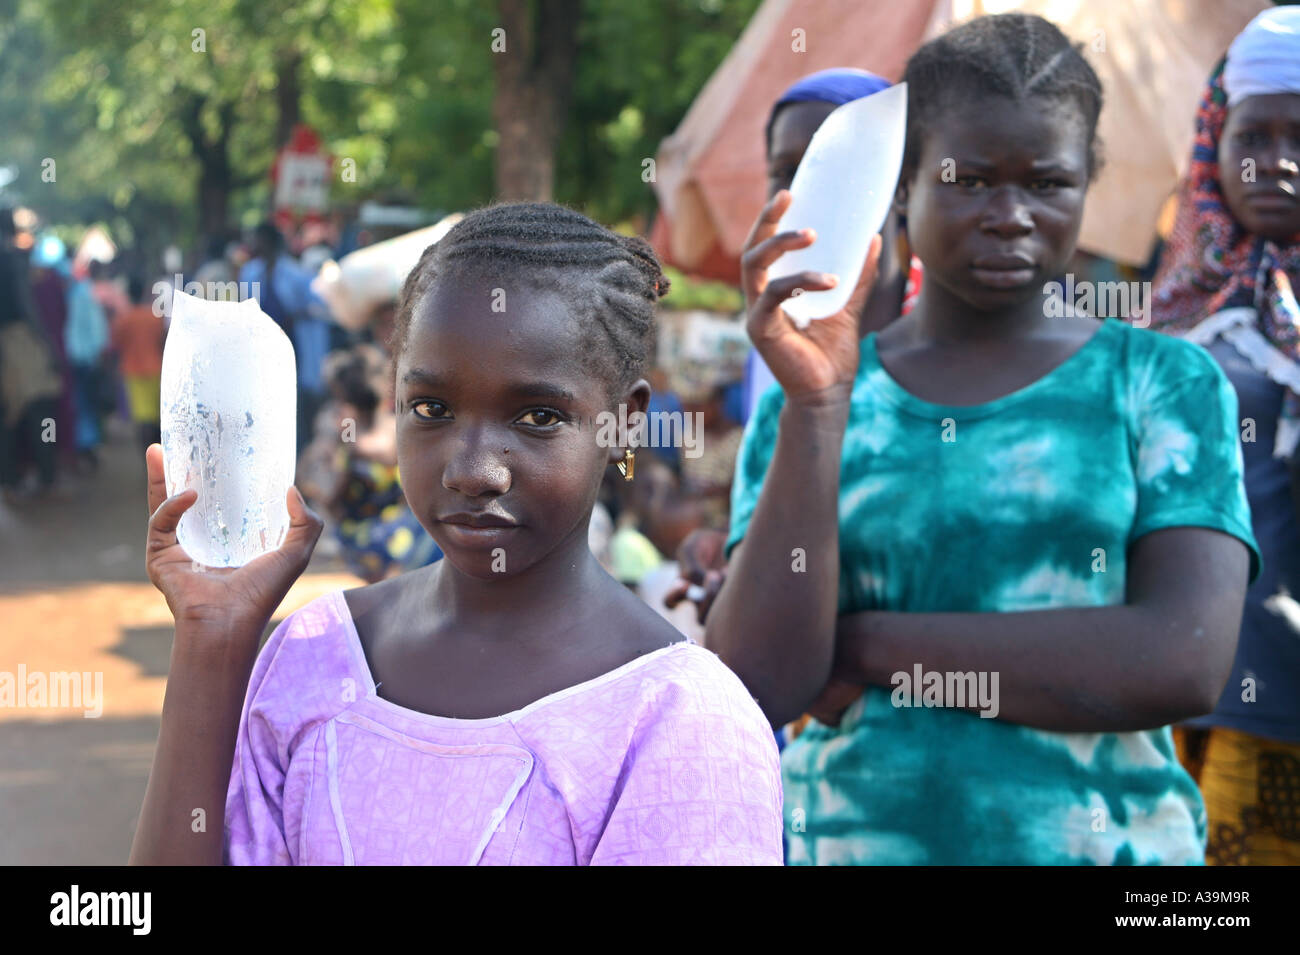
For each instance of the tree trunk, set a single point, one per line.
(534, 80)
(287, 94)
(216, 180)
(214, 201)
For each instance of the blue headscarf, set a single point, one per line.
(838, 85)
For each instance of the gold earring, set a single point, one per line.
(626, 466)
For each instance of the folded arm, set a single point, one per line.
(1161, 657)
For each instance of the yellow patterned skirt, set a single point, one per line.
(1251, 787)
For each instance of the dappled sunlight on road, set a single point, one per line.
(123, 631)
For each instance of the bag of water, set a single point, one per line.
(229, 417)
(843, 189)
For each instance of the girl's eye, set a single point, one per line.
(1047, 185)
(970, 182)
(1252, 137)
(541, 418)
(437, 410)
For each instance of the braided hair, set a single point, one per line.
(613, 281)
(1016, 55)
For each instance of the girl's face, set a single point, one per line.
(791, 134)
(496, 440)
(996, 199)
(1259, 153)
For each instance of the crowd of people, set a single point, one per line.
(78, 348)
(1099, 520)
(84, 342)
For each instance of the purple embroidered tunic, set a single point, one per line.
(665, 760)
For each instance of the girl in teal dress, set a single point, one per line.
(1000, 546)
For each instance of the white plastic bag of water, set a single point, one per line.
(842, 190)
(229, 423)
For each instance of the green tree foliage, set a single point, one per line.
(160, 131)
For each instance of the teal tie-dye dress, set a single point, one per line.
(1028, 502)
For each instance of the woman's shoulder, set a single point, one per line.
(696, 681)
(309, 664)
(1155, 354)
(679, 702)
(685, 682)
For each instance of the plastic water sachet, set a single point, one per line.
(843, 189)
(229, 423)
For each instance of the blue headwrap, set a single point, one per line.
(838, 85)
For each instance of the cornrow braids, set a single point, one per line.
(1016, 55)
(612, 280)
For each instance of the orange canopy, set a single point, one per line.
(1153, 57)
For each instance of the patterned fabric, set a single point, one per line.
(665, 760)
(377, 529)
(1252, 795)
(1212, 264)
(1033, 504)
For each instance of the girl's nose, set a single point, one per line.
(478, 467)
(1007, 214)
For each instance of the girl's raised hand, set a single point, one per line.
(823, 355)
(221, 600)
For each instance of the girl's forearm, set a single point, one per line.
(774, 620)
(182, 821)
(1093, 669)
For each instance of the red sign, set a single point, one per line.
(301, 175)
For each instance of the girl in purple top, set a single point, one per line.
(511, 703)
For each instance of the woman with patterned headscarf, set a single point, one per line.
(1227, 281)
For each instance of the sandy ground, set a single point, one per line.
(74, 598)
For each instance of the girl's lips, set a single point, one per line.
(466, 536)
(1003, 278)
(1272, 200)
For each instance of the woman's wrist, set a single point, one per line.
(820, 412)
(216, 646)
(858, 646)
(831, 400)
